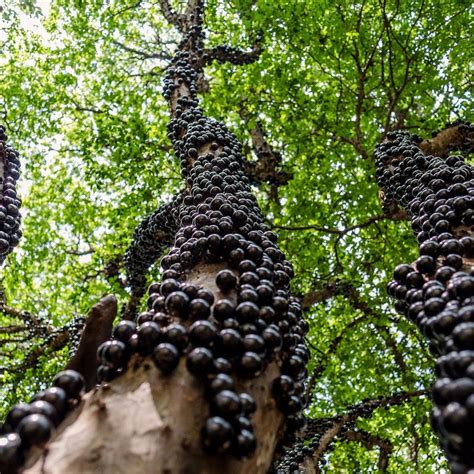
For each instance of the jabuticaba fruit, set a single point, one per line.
(10, 203)
(436, 292)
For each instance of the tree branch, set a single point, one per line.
(13, 329)
(35, 324)
(341, 422)
(329, 290)
(98, 329)
(369, 440)
(267, 167)
(171, 16)
(140, 53)
(401, 215)
(317, 228)
(150, 238)
(228, 54)
(455, 136)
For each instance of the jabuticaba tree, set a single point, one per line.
(211, 377)
(330, 79)
(436, 292)
(10, 218)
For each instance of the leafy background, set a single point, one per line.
(80, 95)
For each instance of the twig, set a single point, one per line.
(143, 54)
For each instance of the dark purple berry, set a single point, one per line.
(71, 382)
(166, 357)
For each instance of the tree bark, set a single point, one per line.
(146, 423)
(97, 330)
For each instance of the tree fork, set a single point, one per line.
(211, 378)
(437, 290)
(319, 434)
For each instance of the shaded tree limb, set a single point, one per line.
(54, 343)
(342, 232)
(329, 290)
(456, 136)
(228, 54)
(35, 324)
(151, 237)
(267, 167)
(369, 440)
(319, 434)
(13, 329)
(97, 329)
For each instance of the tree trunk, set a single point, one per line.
(437, 290)
(146, 421)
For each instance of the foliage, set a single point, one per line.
(81, 98)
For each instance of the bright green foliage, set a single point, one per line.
(80, 96)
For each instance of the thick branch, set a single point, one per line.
(369, 441)
(150, 239)
(10, 221)
(267, 168)
(98, 329)
(317, 296)
(54, 343)
(13, 329)
(456, 136)
(228, 54)
(37, 325)
(316, 439)
(340, 422)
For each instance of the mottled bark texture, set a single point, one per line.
(146, 423)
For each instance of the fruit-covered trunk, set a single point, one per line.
(437, 291)
(210, 378)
